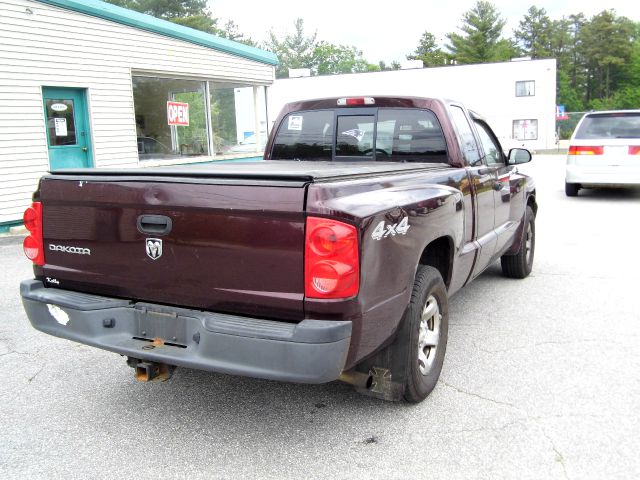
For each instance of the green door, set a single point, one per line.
(68, 138)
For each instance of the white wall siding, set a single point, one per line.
(488, 89)
(61, 48)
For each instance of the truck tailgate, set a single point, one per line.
(231, 246)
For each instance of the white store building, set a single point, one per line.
(89, 84)
(517, 98)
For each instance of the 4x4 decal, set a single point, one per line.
(384, 230)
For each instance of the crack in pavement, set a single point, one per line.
(36, 374)
(15, 352)
(527, 418)
(487, 399)
(559, 457)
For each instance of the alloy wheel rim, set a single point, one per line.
(529, 243)
(429, 335)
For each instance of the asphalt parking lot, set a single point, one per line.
(541, 380)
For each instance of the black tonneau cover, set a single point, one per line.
(275, 170)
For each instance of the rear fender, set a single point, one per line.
(392, 241)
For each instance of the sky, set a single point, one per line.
(388, 30)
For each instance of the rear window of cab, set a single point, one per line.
(609, 126)
(382, 134)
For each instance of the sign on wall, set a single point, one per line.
(178, 113)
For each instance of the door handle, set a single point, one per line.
(154, 224)
(84, 149)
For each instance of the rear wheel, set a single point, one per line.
(571, 189)
(520, 264)
(428, 317)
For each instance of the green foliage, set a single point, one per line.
(167, 9)
(193, 137)
(198, 22)
(607, 45)
(535, 33)
(189, 13)
(231, 32)
(481, 40)
(429, 52)
(293, 50)
(223, 117)
(328, 58)
(567, 95)
(382, 66)
(299, 50)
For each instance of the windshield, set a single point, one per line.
(384, 134)
(609, 125)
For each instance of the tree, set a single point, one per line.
(294, 50)
(607, 44)
(535, 33)
(190, 13)
(428, 51)
(231, 32)
(330, 59)
(382, 66)
(482, 27)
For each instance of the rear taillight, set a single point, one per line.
(584, 150)
(634, 150)
(331, 265)
(33, 245)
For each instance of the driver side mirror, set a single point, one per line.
(518, 155)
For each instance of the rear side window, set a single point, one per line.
(609, 125)
(467, 139)
(410, 135)
(305, 136)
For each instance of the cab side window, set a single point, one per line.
(492, 152)
(467, 139)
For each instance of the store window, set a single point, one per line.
(526, 88)
(525, 129)
(182, 119)
(238, 120)
(171, 118)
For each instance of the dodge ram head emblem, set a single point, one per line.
(154, 248)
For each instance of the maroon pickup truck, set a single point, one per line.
(332, 259)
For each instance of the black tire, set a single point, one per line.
(571, 189)
(520, 264)
(422, 375)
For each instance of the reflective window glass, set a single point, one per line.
(526, 88)
(354, 136)
(466, 138)
(61, 122)
(491, 148)
(410, 135)
(305, 135)
(171, 118)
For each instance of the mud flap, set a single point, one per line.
(388, 369)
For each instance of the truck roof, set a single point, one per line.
(379, 101)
